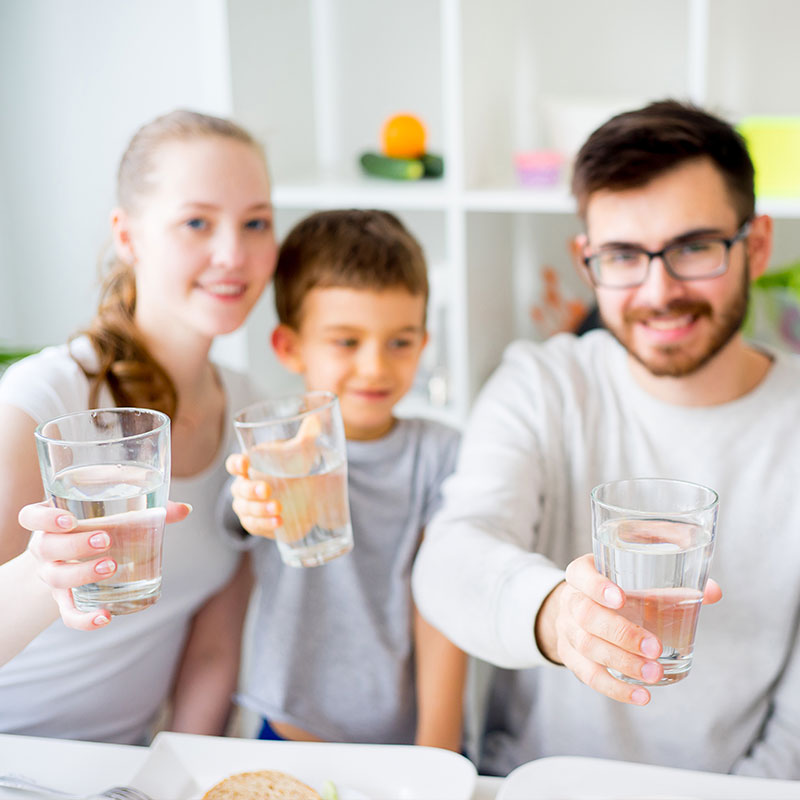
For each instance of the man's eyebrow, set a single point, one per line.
(694, 233)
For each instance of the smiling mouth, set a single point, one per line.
(669, 323)
(374, 394)
(226, 290)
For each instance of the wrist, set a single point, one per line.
(544, 628)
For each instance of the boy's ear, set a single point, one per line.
(286, 344)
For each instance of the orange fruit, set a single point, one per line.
(403, 136)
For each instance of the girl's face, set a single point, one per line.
(201, 239)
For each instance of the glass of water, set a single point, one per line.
(654, 538)
(296, 444)
(110, 468)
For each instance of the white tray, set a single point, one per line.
(183, 767)
(567, 778)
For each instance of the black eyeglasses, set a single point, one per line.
(687, 260)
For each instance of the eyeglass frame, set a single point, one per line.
(741, 234)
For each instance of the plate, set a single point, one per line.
(181, 766)
(567, 778)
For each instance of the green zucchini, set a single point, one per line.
(434, 165)
(399, 169)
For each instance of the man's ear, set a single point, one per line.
(759, 245)
(286, 344)
(121, 235)
(577, 246)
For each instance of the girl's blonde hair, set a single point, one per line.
(125, 365)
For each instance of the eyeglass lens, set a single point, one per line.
(694, 259)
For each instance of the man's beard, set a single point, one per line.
(675, 363)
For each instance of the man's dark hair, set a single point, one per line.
(633, 148)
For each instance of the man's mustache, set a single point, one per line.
(677, 307)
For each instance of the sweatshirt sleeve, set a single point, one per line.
(477, 576)
(776, 753)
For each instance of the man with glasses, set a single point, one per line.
(670, 389)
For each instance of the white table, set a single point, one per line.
(89, 766)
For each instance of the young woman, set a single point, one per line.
(194, 250)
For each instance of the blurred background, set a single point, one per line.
(507, 91)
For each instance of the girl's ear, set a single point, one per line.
(121, 234)
(286, 344)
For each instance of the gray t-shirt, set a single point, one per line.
(332, 649)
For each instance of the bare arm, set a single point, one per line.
(34, 607)
(209, 669)
(22, 482)
(441, 673)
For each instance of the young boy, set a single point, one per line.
(339, 652)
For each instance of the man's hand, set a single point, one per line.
(578, 627)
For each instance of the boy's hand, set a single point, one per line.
(259, 515)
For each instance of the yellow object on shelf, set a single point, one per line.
(774, 145)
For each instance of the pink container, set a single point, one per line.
(539, 167)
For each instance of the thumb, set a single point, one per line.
(712, 593)
(237, 464)
(177, 511)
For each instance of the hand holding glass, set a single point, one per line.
(654, 538)
(296, 444)
(110, 468)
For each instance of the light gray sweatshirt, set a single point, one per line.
(554, 421)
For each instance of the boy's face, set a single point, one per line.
(362, 344)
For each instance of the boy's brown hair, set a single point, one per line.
(633, 148)
(353, 248)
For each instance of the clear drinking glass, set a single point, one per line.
(110, 468)
(654, 538)
(296, 444)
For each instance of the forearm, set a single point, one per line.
(441, 674)
(483, 592)
(201, 702)
(32, 603)
(209, 671)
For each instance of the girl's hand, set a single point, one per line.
(259, 515)
(69, 558)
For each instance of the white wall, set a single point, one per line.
(78, 78)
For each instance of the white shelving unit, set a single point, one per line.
(316, 78)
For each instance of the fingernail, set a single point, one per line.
(106, 566)
(612, 596)
(640, 697)
(272, 508)
(650, 672)
(189, 507)
(261, 490)
(99, 540)
(650, 647)
(100, 620)
(66, 522)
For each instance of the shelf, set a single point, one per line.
(779, 207)
(352, 189)
(556, 200)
